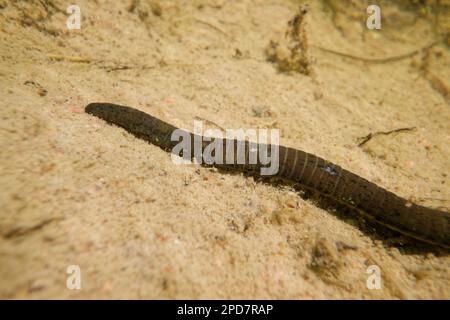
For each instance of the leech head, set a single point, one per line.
(115, 114)
(136, 122)
(100, 110)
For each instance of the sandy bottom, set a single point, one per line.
(76, 191)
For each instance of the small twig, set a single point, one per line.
(125, 67)
(209, 122)
(69, 58)
(17, 231)
(110, 66)
(365, 139)
(40, 89)
(117, 68)
(209, 24)
(381, 60)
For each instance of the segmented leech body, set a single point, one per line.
(374, 202)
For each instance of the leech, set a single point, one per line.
(370, 200)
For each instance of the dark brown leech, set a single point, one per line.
(315, 173)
